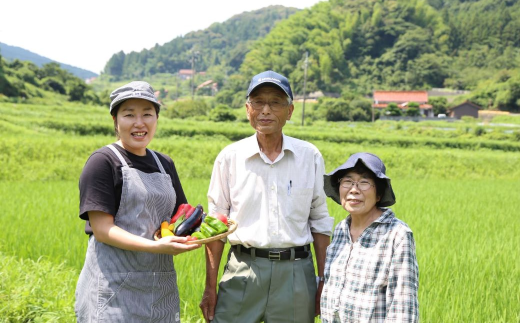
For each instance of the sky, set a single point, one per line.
(86, 34)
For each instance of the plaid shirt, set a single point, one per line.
(376, 278)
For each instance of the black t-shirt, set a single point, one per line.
(101, 181)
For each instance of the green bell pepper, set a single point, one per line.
(216, 224)
(207, 230)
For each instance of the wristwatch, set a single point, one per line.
(320, 278)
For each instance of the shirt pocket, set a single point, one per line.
(299, 207)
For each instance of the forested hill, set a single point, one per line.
(222, 46)
(403, 44)
(356, 46)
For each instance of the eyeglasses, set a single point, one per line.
(275, 105)
(362, 185)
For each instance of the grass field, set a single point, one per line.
(460, 203)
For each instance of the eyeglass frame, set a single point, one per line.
(289, 102)
(355, 183)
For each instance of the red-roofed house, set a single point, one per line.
(185, 74)
(402, 98)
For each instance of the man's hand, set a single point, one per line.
(317, 300)
(208, 303)
(321, 242)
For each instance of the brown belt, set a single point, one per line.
(275, 254)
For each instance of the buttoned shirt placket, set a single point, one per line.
(273, 180)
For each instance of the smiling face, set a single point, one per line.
(355, 201)
(266, 121)
(136, 122)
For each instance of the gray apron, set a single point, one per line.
(117, 285)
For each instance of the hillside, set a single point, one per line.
(23, 81)
(355, 47)
(221, 46)
(11, 53)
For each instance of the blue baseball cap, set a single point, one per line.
(373, 163)
(270, 77)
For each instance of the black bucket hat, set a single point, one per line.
(373, 163)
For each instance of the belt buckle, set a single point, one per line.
(274, 255)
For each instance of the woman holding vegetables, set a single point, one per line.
(126, 191)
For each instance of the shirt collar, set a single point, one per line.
(252, 148)
(387, 217)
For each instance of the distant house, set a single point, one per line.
(402, 99)
(90, 80)
(466, 108)
(314, 96)
(185, 74)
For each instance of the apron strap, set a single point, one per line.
(157, 161)
(118, 154)
(123, 161)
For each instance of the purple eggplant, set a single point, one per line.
(197, 229)
(190, 224)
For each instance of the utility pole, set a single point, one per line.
(373, 109)
(178, 86)
(306, 62)
(192, 75)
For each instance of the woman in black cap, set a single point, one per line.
(371, 271)
(126, 191)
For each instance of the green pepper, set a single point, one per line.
(207, 230)
(216, 224)
(199, 235)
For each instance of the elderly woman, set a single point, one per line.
(371, 271)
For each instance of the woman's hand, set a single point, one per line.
(107, 232)
(173, 245)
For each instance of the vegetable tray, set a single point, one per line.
(232, 226)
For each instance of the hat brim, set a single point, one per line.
(267, 82)
(123, 98)
(331, 186)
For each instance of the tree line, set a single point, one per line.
(24, 79)
(220, 47)
(355, 47)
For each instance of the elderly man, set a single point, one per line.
(272, 185)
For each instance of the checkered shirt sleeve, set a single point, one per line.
(376, 278)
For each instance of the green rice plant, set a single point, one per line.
(82, 120)
(465, 245)
(511, 119)
(457, 193)
(61, 157)
(466, 241)
(35, 291)
(44, 225)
